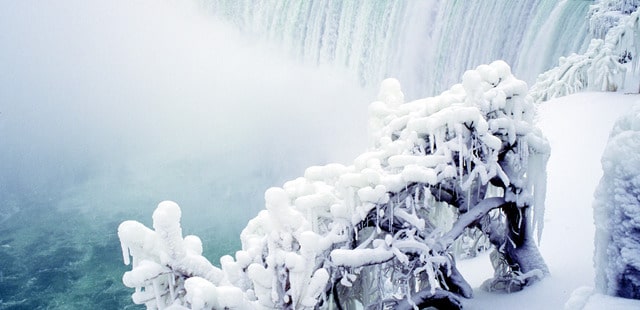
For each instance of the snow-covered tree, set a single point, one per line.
(610, 57)
(617, 211)
(379, 232)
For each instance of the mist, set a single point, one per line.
(109, 107)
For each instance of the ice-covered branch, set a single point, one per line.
(364, 234)
(610, 56)
(164, 262)
(467, 220)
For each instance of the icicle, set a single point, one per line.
(460, 155)
(538, 180)
(392, 207)
(172, 283)
(156, 291)
(469, 198)
(432, 141)
(125, 253)
(379, 214)
(519, 219)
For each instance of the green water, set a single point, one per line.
(65, 259)
(60, 260)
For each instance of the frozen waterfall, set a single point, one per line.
(425, 44)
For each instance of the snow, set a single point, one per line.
(574, 171)
(584, 298)
(599, 301)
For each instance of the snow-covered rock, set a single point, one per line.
(617, 211)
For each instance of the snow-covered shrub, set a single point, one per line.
(607, 14)
(166, 265)
(617, 211)
(608, 59)
(379, 232)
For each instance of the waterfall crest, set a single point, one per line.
(425, 44)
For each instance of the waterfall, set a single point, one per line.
(359, 35)
(426, 44)
(565, 31)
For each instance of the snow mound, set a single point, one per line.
(585, 298)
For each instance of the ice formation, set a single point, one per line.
(378, 232)
(617, 211)
(405, 39)
(609, 58)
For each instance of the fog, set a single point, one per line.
(109, 107)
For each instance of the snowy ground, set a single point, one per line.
(577, 127)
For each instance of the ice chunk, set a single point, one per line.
(419, 174)
(375, 195)
(144, 272)
(193, 244)
(315, 287)
(201, 294)
(472, 81)
(276, 199)
(391, 92)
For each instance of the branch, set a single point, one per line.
(467, 219)
(360, 257)
(455, 282)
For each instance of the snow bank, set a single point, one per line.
(585, 298)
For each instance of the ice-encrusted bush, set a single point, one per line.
(377, 233)
(617, 211)
(609, 58)
(607, 14)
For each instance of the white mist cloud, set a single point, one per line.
(163, 95)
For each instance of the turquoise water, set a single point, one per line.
(60, 260)
(56, 256)
(59, 247)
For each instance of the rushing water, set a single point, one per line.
(426, 44)
(109, 107)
